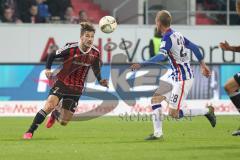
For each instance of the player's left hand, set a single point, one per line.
(104, 83)
(205, 71)
(48, 73)
(224, 45)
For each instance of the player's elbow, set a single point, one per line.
(228, 89)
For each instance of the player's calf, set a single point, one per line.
(52, 101)
(157, 99)
(232, 87)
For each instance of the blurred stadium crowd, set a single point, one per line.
(39, 11)
(206, 12)
(216, 14)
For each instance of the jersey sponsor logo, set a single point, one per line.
(81, 63)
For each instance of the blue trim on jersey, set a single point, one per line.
(184, 77)
(172, 72)
(175, 65)
(168, 45)
(180, 71)
(188, 69)
(156, 59)
(168, 33)
(167, 40)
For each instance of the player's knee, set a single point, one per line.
(50, 105)
(157, 99)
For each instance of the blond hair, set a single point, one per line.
(164, 17)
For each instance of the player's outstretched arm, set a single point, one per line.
(225, 46)
(135, 66)
(156, 59)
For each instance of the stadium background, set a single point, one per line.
(25, 46)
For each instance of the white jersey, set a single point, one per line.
(174, 46)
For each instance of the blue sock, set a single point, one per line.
(156, 106)
(180, 114)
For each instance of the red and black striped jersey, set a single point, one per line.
(77, 64)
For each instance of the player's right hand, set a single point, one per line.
(48, 73)
(135, 66)
(104, 83)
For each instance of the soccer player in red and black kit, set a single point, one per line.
(232, 86)
(78, 58)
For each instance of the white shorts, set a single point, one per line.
(179, 93)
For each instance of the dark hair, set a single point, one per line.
(81, 12)
(33, 3)
(86, 26)
(6, 7)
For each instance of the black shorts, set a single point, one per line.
(68, 96)
(237, 78)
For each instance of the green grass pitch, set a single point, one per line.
(113, 138)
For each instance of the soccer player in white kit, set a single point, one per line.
(175, 47)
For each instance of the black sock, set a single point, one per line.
(236, 100)
(39, 118)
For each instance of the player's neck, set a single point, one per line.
(84, 48)
(164, 30)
